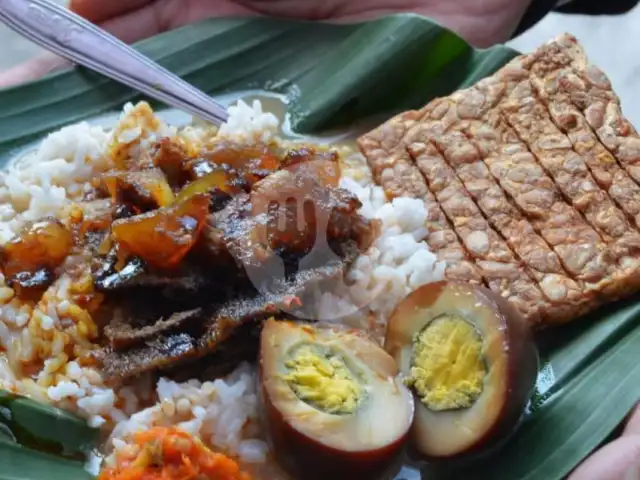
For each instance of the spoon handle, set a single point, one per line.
(70, 36)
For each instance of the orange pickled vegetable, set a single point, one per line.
(163, 237)
(324, 166)
(243, 157)
(219, 179)
(146, 189)
(93, 216)
(45, 244)
(167, 453)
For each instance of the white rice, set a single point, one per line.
(224, 412)
(398, 262)
(250, 123)
(41, 182)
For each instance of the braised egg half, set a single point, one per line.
(334, 406)
(471, 363)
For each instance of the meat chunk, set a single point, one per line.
(220, 183)
(189, 279)
(143, 190)
(286, 214)
(164, 236)
(244, 158)
(29, 259)
(122, 333)
(210, 329)
(248, 163)
(93, 216)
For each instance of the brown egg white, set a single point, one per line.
(471, 362)
(334, 406)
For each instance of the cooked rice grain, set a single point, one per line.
(42, 341)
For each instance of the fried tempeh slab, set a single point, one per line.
(379, 143)
(512, 93)
(497, 263)
(567, 296)
(556, 78)
(566, 69)
(399, 177)
(549, 169)
(586, 262)
(553, 150)
(609, 175)
(580, 248)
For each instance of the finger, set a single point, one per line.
(131, 27)
(617, 460)
(32, 70)
(136, 25)
(162, 15)
(633, 423)
(98, 11)
(139, 24)
(152, 18)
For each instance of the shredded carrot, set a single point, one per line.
(171, 454)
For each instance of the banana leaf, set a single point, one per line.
(39, 441)
(334, 75)
(41, 426)
(20, 463)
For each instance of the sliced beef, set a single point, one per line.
(143, 190)
(283, 297)
(170, 156)
(122, 332)
(189, 279)
(241, 346)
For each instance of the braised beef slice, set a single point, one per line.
(170, 157)
(167, 349)
(241, 346)
(307, 154)
(188, 279)
(122, 332)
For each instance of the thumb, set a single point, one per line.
(619, 459)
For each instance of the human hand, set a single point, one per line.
(618, 460)
(482, 23)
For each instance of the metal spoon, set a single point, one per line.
(70, 36)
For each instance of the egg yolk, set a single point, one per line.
(448, 368)
(322, 379)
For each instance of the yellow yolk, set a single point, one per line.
(448, 368)
(323, 380)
